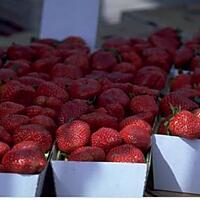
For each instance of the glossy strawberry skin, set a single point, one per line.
(4, 148)
(71, 136)
(31, 81)
(106, 138)
(87, 153)
(125, 153)
(5, 136)
(125, 67)
(115, 110)
(196, 112)
(120, 77)
(7, 75)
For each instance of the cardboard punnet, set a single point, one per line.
(99, 179)
(176, 164)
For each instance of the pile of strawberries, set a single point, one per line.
(97, 106)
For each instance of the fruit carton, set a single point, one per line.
(99, 179)
(176, 164)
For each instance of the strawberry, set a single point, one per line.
(181, 81)
(4, 148)
(9, 107)
(17, 92)
(44, 64)
(143, 103)
(33, 110)
(75, 40)
(195, 62)
(50, 89)
(196, 78)
(187, 92)
(115, 42)
(119, 77)
(21, 67)
(97, 75)
(106, 138)
(141, 90)
(44, 121)
(47, 41)
(196, 112)
(113, 95)
(40, 75)
(84, 88)
(5, 136)
(103, 60)
(26, 145)
(33, 132)
(32, 81)
(146, 116)
(7, 75)
(163, 127)
(24, 161)
(176, 101)
(64, 70)
(97, 120)
(72, 110)
(137, 135)
(49, 112)
(71, 136)
(185, 124)
(124, 67)
(87, 153)
(115, 110)
(13, 121)
(51, 102)
(125, 153)
(62, 82)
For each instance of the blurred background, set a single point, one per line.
(20, 19)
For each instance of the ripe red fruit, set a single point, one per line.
(84, 88)
(4, 148)
(5, 136)
(176, 101)
(146, 116)
(97, 75)
(137, 135)
(33, 132)
(141, 90)
(40, 75)
(32, 81)
(125, 153)
(143, 103)
(187, 92)
(103, 60)
(181, 81)
(44, 121)
(119, 77)
(26, 145)
(195, 63)
(7, 75)
(87, 153)
(49, 112)
(21, 67)
(97, 120)
(9, 107)
(113, 95)
(71, 136)
(50, 89)
(115, 110)
(196, 112)
(125, 67)
(72, 110)
(185, 124)
(34, 161)
(106, 138)
(13, 121)
(64, 70)
(33, 110)
(62, 82)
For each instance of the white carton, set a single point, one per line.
(176, 164)
(99, 179)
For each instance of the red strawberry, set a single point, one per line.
(185, 124)
(51, 102)
(102, 60)
(97, 75)
(181, 81)
(50, 89)
(97, 120)
(75, 40)
(143, 103)
(13, 121)
(64, 70)
(187, 92)
(72, 110)
(9, 107)
(32, 81)
(49, 112)
(84, 88)
(196, 112)
(196, 78)
(5, 136)
(113, 95)
(24, 161)
(163, 127)
(4, 148)
(125, 153)
(45, 64)
(137, 135)
(119, 77)
(44, 121)
(71, 136)
(33, 110)
(33, 132)
(47, 41)
(40, 75)
(141, 90)
(87, 154)
(195, 63)
(106, 138)
(7, 75)
(26, 145)
(115, 110)
(125, 67)
(21, 67)
(62, 82)
(146, 116)
(176, 101)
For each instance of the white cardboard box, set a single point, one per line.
(99, 179)
(176, 164)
